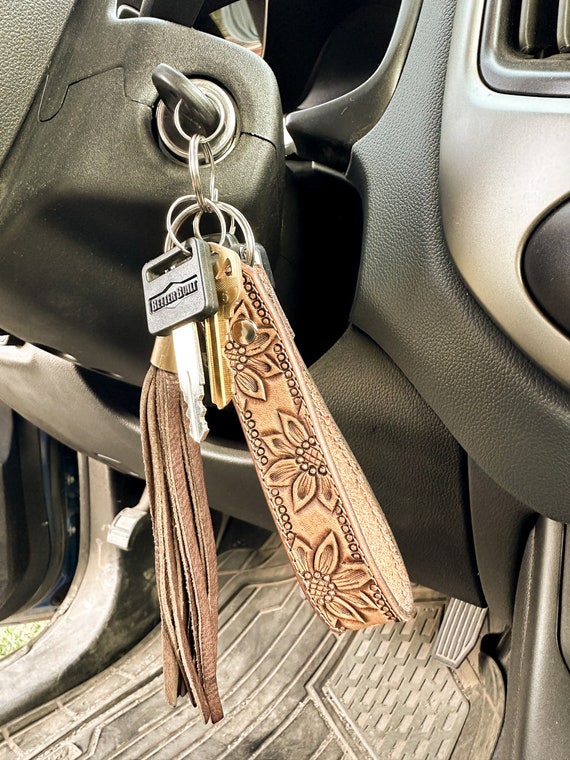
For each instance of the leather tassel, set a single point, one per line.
(185, 549)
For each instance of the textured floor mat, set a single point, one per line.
(290, 689)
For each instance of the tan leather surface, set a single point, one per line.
(335, 533)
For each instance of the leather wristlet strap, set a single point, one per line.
(335, 533)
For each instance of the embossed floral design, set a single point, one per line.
(300, 464)
(337, 590)
(252, 363)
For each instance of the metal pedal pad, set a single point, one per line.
(458, 633)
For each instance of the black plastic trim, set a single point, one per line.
(90, 186)
(509, 416)
(326, 132)
(537, 725)
(546, 266)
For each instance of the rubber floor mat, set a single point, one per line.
(291, 689)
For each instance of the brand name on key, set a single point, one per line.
(174, 293)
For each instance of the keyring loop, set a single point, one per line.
(236, 216)
(194, 169)
(194, 209)
(196, 143)
(219, 105)
(173, 205)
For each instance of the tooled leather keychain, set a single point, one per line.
(335, 534)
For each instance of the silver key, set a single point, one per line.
(179, 290)
(190, 367)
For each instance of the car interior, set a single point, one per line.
(404, 166)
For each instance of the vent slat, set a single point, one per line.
(525, 47)
(563, 32)
(538, 27)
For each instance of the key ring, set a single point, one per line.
(196, 143)
(216, 207)
(219, 105)
(192, 198)
(193, 210)
(236, 216)
(173, 205)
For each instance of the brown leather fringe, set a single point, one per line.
(185, 549)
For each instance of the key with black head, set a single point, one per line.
(180, 291)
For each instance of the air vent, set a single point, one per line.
(526, 47)
(538, 28)
(129, 10)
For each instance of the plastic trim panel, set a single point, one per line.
(29, 32)
(69, 410)
(509, 416)
(505, 164)
(506, 70)
(538, 687)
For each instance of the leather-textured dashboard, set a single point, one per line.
(511, 418)
(29, 33)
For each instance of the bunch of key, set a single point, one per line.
(190, 292)
(216, 300)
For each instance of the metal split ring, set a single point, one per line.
(196, 143)
(236, 216)
(193, 210)
(219, 208)
(173, 206)
(217, 131)
(175, 138)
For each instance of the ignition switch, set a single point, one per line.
(193, 106)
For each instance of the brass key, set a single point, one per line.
(229, 288)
